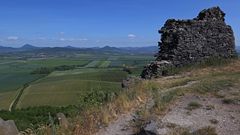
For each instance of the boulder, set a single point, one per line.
(129, 82)
(150, 128)
(63, 122)
(8, 127)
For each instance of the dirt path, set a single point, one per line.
(122, 125)
(16, 98)
(225, 118)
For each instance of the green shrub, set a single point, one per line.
(32, 117)
(193, 106)
(42, 70)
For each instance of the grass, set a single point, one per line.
(208, 63)
(10, 82)
(6, 99)
(93, 64)
(68, 89)
(89, 120)
(75, 86)
(105, 64)
(37, 116)
(210, 80)
(203, 131)
(12, 77)
(54, 62)
(228, 101)
(193, 105)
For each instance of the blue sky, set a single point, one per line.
(88, 23)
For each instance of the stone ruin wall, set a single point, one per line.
(190, 41)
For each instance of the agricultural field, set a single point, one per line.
(93, 72)
(57, 62)
(64, 89)
(6, 99)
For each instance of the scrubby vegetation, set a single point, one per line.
(193, 105)
(34, 117)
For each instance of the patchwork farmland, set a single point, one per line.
(91, 73)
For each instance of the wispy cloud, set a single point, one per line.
(131, 36)
(12, 38)
(62, 39)
(61, 33)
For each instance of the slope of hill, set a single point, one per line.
(28, 47)
(4, 49)
(25, 47)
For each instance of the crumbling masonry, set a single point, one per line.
(190, 41)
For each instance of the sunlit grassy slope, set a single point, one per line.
(61, 89)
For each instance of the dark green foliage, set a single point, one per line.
(193, 106)
(42, 70)
(34, 116)
(228, 101)
(127, 69)
(65, 67)
(48, 70)
(96, 98)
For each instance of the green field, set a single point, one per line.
(74, 82)
(57, 62)
(93, 72)
(6, 99)
(64, 89)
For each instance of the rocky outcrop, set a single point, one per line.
(149, 128)
(63, 122)
(130, 82)
(8, 127)
(190, 41)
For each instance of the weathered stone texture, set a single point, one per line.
(8, 127)
(189, 41)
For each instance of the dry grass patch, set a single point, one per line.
(92, 119)
(203, 131)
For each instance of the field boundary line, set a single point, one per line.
(16, 99)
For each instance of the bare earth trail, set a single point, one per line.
(213, 112)
(122, 125)
(225, 118)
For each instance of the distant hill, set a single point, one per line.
(7, 49)
(67, 49)
(25, 47)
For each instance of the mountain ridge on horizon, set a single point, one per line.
(138, 49)
(29, 47)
